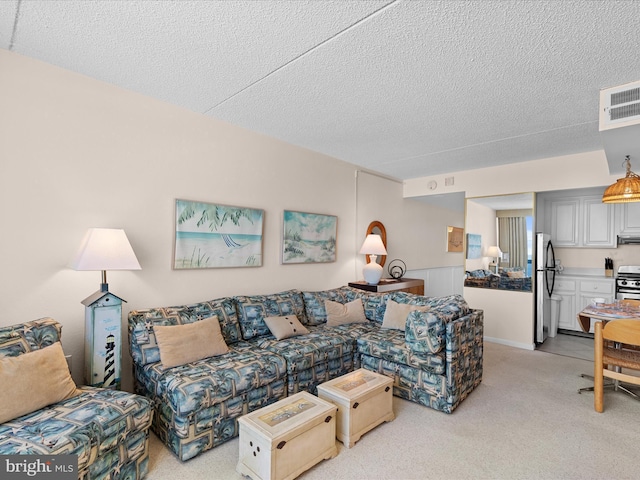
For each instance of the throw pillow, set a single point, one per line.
(34, 380)
(395, 315)
(343, 313)
(285, 326)
(516, 274)
(190, 342)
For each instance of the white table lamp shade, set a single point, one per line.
(494, 252)
(373, 246)
(105, 249)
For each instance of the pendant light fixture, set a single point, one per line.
(626, 189)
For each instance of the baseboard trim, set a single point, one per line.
(524, 346)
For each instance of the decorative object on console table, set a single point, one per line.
(409, 285)
(373, 247)
(104, 249)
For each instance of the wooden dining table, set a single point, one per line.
(606, 312)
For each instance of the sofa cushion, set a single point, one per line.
(449, 308)
(395, 314)
(253, 309)
(425, 332)
(34, 380)
(318, 346)
(343, 313)
(315, 307)
(142, 339)
(189, 388)
(180, 344)
(285, 326)
(390, 345)
(89, 425)
(26, 337)
(374, 303)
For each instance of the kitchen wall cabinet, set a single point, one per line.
(628, 218)
(577, 292)
(582, 222)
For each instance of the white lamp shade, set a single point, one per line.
(494, 252)
(373, 245)
(105, 249)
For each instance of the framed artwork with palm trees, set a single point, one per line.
(210, 235)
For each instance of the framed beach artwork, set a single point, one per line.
(210, 235)
(474, 245)
(309, 237)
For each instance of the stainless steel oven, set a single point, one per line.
(628, 282)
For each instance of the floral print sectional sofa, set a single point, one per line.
(107, 429)
(434, 356)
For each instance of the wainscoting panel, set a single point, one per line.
(440, 281)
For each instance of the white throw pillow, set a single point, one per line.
(343, 313)
(395, 314)
(285, 326)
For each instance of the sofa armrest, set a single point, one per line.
(464, 354)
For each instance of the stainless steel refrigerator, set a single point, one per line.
(545, 281)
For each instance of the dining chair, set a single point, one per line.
(610, 350)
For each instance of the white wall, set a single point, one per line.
(416, 231)
(509, 316)
(582, 170)
(77, 153)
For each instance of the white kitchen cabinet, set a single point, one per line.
(628, 218)
(577, 292)
(566, 289)
(598, 223)
(564, 221)
(582, 222)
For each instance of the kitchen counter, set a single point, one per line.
(583, 272)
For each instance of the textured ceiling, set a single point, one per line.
(405, 88)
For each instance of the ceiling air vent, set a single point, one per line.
(620, 125)
(619, 105)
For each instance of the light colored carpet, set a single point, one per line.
(525, 421)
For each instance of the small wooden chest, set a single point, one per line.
(364, 400)
(282, 440)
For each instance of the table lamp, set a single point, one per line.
(495, 252)
(103, 249)
(373, 247)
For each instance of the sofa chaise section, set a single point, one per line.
(437, 360)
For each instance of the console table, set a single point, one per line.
(409, 285)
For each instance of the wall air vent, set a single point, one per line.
(620, 125)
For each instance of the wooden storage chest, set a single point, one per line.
(282, 440)
(364, 400)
